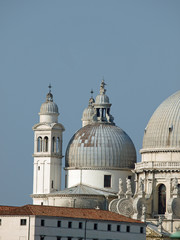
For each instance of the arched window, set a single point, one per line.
(39, 144)
(162, 199)
(45, 144)
(178, 188)
(57, 144)
(53, 144)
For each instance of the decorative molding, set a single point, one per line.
(153, 150)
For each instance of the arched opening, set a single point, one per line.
(178, 188)
(39, 144)
(57, 145)
(53, 144)
(45, 144)
(98, 112)
(162, 199)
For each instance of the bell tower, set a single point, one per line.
(47, 152)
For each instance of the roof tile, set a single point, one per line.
(39, 210)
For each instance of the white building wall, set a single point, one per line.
(95, 178)
(11, 229)
(50, 230)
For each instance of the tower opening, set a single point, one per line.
(39, 144)
(45, 144)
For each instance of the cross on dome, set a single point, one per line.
(49, 88)
(49, 96)
(92, 93)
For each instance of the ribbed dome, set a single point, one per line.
(88, 113)
(102, 99)
(100, 145)
(48, 108)
(163, 129)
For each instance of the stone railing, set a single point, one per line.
(158, 165)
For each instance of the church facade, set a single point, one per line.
(100, 163)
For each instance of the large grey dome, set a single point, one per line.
(163, 129)
(100, 146)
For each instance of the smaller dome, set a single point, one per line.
(88, 113)
(102, 99)
(49, 107)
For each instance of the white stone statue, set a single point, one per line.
(120, 185)
(141, 185)
(128, 184)
(143, 217)
(120, 193)
(175, 185)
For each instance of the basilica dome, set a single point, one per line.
(163, 129)
(100, 145)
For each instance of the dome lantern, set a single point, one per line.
(102, 106)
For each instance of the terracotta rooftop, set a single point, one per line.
(82, 213)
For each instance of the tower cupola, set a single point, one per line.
(49, 110)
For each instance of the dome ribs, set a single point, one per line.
(100, 145)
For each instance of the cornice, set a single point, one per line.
(97, 168)
(153, 150)
(48, 155)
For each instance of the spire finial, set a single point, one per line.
(49, 88)
(92, 93)
(102, 89)
(49, 96)
(91, 100)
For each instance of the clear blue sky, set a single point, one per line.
(135, 45)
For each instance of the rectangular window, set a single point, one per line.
(58, 223)
(107, 181)
(118, 228)
(80, 225)
(0, 222)
(127, 228)
(141, 230)
(95, 226)
(69, 224)
(58, 238)
(52, 184)
(23, 222)
(69, 238)
(109, 227)
(38, 167)
(42, 222)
